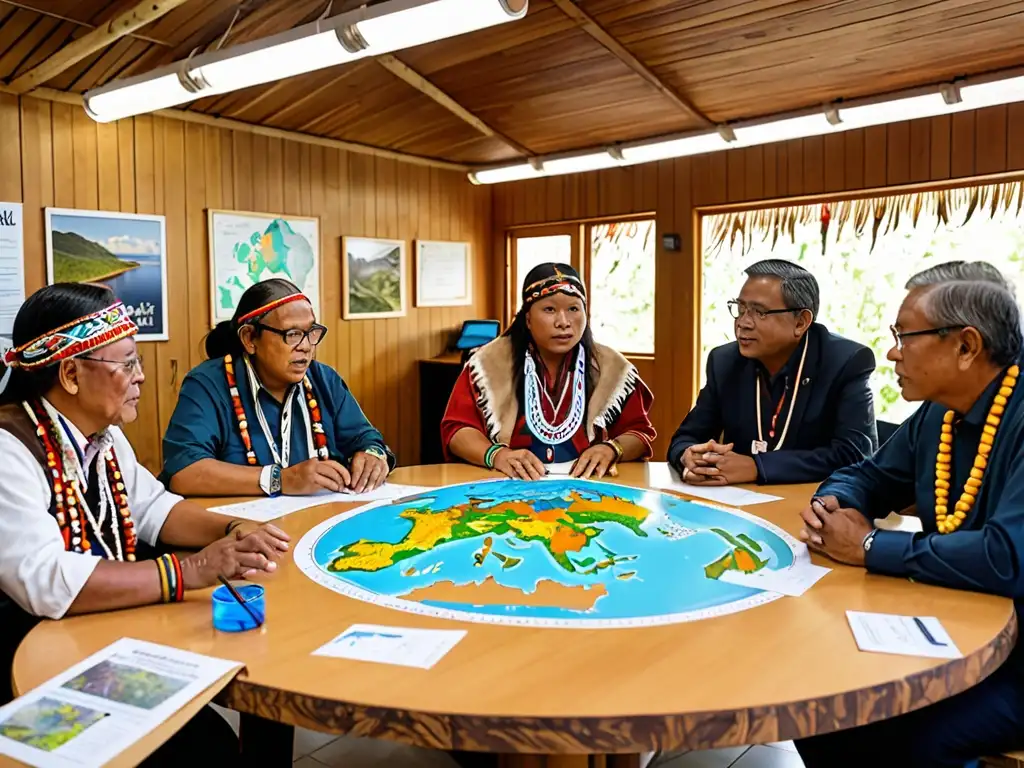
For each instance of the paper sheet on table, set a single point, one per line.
(792, 581)
(421, 648)
(904, 635)
(661, 475)
(560, 469)
(95, 710)
(266, 509)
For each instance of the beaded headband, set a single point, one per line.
(556, 283)
(271, 307)
(73, 339)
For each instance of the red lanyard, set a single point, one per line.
(778, 410)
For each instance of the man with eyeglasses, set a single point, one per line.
(957, 349)
(788, 401)
(263, 416)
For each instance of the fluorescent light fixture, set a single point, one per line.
(664, 150)
(592, 162)
(135, 97)
(782, 130)
(272, 62)
(895, 110)
(378, 29)
(391, 27)
(508, 173)
(1006, 91)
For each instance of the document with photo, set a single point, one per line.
(89, 714)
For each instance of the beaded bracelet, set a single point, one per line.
(491, 453)
(172, 585)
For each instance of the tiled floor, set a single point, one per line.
(324, 750)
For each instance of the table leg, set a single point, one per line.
(571, 761)
(265, 742)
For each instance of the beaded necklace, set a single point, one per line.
(536, 421)
(945, 521)
(311, 414)
(70, 506)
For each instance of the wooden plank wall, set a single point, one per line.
(165, 166)
(949, 147)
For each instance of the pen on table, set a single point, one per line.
(240, 600)
(924, 631)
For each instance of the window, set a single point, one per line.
(616, 261)
(621, 285)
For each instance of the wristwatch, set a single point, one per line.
(373, 450)
(869, 539)
(270, 480)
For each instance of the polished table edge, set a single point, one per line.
(628, 734)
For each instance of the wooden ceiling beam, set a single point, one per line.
(79, 22)
(143, 13)
(590, 25)
(406, 73)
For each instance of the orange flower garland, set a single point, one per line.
(945, 521)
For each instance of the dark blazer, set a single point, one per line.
(833, 422)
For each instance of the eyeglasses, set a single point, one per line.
(899, 336)
(739, 308)
(128, 366)
(293, 337)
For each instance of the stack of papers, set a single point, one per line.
(265, 509)
(661, 475)
(100, 707)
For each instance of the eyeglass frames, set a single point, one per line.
(293, 337)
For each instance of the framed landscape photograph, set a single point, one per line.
(443, 274)
(248, 248)
(372, 278)
(125, 251)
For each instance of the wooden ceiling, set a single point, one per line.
(572, 74)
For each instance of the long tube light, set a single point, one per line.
(948, 98)
(367, 31)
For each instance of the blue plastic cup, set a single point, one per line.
(230, 616)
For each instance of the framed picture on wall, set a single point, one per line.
(248, 248)
(443, 274)
(372, 278)
(125, 251)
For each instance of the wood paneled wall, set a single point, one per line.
(938, 149)
(53, 154)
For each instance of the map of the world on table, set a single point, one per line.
(553, 553)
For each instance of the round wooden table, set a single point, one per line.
(776, 672)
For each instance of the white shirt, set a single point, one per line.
(36, 571)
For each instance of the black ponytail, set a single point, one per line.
(223, 339)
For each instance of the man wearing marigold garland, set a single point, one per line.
(957, 347)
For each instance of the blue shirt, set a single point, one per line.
(984, 554)
(204, 424)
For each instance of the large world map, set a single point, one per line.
(560, 552)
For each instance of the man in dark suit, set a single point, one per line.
(788, 401)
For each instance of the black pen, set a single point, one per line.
(241, 602)
(926, 633)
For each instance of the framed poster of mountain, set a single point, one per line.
(248, 248)
(372, 278)
(125, 251)
(443, 276)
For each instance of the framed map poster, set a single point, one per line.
(248, 248)
(127, 252)
(372, 278)
(443, 274)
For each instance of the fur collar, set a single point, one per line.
(491, 371)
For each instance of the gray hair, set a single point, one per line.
(799, 288)
(951, 271)
(983, 305)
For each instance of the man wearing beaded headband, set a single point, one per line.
(546, 393)
(957, 348)
(77, 511)
(263, 416)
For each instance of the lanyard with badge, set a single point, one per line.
(283, 456)
(760, 445)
